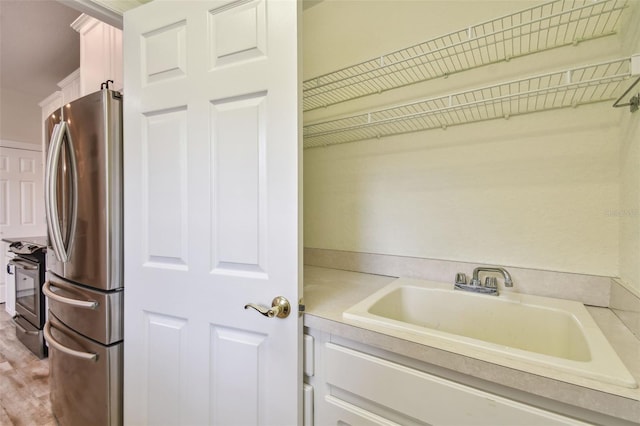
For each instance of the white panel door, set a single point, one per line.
(212, 157)
(21, 199)
(21, 196)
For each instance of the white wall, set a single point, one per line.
(535, 191)
(20, 117)
(629, 213)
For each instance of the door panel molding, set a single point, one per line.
(212, 155)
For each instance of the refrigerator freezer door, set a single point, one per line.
(85, 378)
(30, 336)
(94, 314)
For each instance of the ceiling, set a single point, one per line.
(38, 48)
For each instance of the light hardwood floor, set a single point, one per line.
(24, 381)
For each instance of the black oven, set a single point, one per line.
(29, 271)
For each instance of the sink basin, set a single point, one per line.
(521, 330)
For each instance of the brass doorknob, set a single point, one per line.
(280, 307)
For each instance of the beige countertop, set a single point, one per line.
(329, 292)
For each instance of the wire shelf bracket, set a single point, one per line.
(634, 101)
(536, 29)
(560, 89)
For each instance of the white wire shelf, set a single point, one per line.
(561, 89)
(547, 26)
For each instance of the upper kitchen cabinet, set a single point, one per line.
(100, 54)
(69, 90)
(100, 60)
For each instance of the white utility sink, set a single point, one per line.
(539, 331)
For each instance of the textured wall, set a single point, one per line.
(537, 191)
(20, 117)
(629, 213)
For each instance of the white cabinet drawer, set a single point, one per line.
(350, 414)
(425, 397)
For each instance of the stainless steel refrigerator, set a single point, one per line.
(84, 281)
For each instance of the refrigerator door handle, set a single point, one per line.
(46, 289)
(57, 345)
(50, 196)
(61, 250)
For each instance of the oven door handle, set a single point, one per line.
(22, 264)
(59, 346)
(46, 289)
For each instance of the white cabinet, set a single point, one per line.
(50, 104)
(8, 290)
(70, 87)
(69, 90)
(4, 276)
(352, 385)
(100, 60)
(100, 54)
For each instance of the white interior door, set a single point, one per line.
(21, 199)
(21, 186)
(211, 212)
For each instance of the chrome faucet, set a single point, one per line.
(489, 287)
(507, 278)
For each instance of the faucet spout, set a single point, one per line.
(508, 282)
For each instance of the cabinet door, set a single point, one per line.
(419, 396)
(70, 87)
(100, 54)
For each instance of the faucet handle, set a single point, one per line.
(461, 278)
(491, 282)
